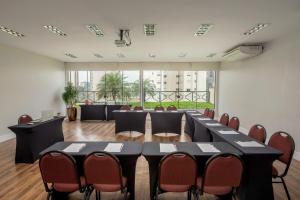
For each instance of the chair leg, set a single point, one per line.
(189, 195)
(285, 188)
(98, 195)
(125, 194)
(156, 194)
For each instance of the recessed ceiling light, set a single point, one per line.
(55, 30)
(182, 55)
(149, 29)
(211, 55)
(256, 28)
(120, 55)
(203, 29)
(70, 55)
(94, 28)
(98, 55)
(151, 55)
(11, 32)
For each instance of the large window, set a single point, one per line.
(184, 89)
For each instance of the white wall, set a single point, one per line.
(265, 89)
(29, 83)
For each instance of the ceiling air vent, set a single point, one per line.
(242, 52)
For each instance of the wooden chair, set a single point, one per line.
(159, 108)
(258, 132)
(234, 123)
(224, 119)
(172, 107)
(211, 114)
(24, 119)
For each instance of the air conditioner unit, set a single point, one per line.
(242, 52)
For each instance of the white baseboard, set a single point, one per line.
(6, 136)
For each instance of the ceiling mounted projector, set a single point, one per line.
(124, 40)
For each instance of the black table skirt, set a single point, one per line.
(93, 112)
(166, 122)
(32, 139)
(130, 121)
(109, 111)
(127, 157)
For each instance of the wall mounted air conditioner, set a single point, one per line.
(242, 52)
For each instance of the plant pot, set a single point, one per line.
(72, 113)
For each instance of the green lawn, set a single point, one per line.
(181, 105)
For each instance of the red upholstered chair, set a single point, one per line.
(211, 114)
(172, 107)
(24, 119)
(258, 132)
(284, 143)
(216, 180)
(88, 102)
(224, 119)
(59, 173)
(206, 111)
(159, 108)
(138, 108)
(103, 173)
(125, 107)
(177, 173)
(234, 123)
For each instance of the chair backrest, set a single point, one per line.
(125, 107)
(88, 102)
(178, 168)
(102, 168)
(206, 111)
(284, 143)
(138, 108)
(223, 169)
(258, 132)
(58, 167)
(172, 107)
(224, 119)
(159, 108)
(234, 123)
(24, 119)
(211, 114)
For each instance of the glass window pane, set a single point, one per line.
(152, 84)
(113, 87)
(131, 87)
(97, 83)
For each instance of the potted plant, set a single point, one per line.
(69, 97)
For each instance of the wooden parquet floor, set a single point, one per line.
(23, 181)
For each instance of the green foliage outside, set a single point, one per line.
(180, 105)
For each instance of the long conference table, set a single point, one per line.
(127, 157)
(161, 121)
(98, 112)
(257, 177)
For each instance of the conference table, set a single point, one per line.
(151, 151)
(130, 120)
(93, 112)
(109, 111)
(166, 121)
(257, 177)
(31, 139)
(127, 157)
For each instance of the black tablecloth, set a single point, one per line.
(32, 139)
(93, 112)
(153, 155)
(166, 122)
(127, 157)
(109, 111)
(189, 126)
(257, 177)
(130, 121)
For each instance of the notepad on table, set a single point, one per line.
(228, 132)
(207, 147)
(139, 111)
(249, 144)
(123, 110)
(204, 119)
(114, 147)
(159, 111)
(174, 111)
(196, 114)
(213, 124)
(167, 148)
(191, 111)
(74, 147)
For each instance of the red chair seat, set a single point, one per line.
(68, 187)
(215, 190)
(110, 187)
(175, 188)
(274, 172)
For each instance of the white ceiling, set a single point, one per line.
(176, 20)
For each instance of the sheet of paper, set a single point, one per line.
(191, 111)
(123, 110)
(167, 148)
(159, 111)
(174, 111)
(204, 119)
(213, 124)
(196, 114)
(249, 144)
(74, 147)
(139, 111)
(114, 147)
(205, 147)
(228, 132)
